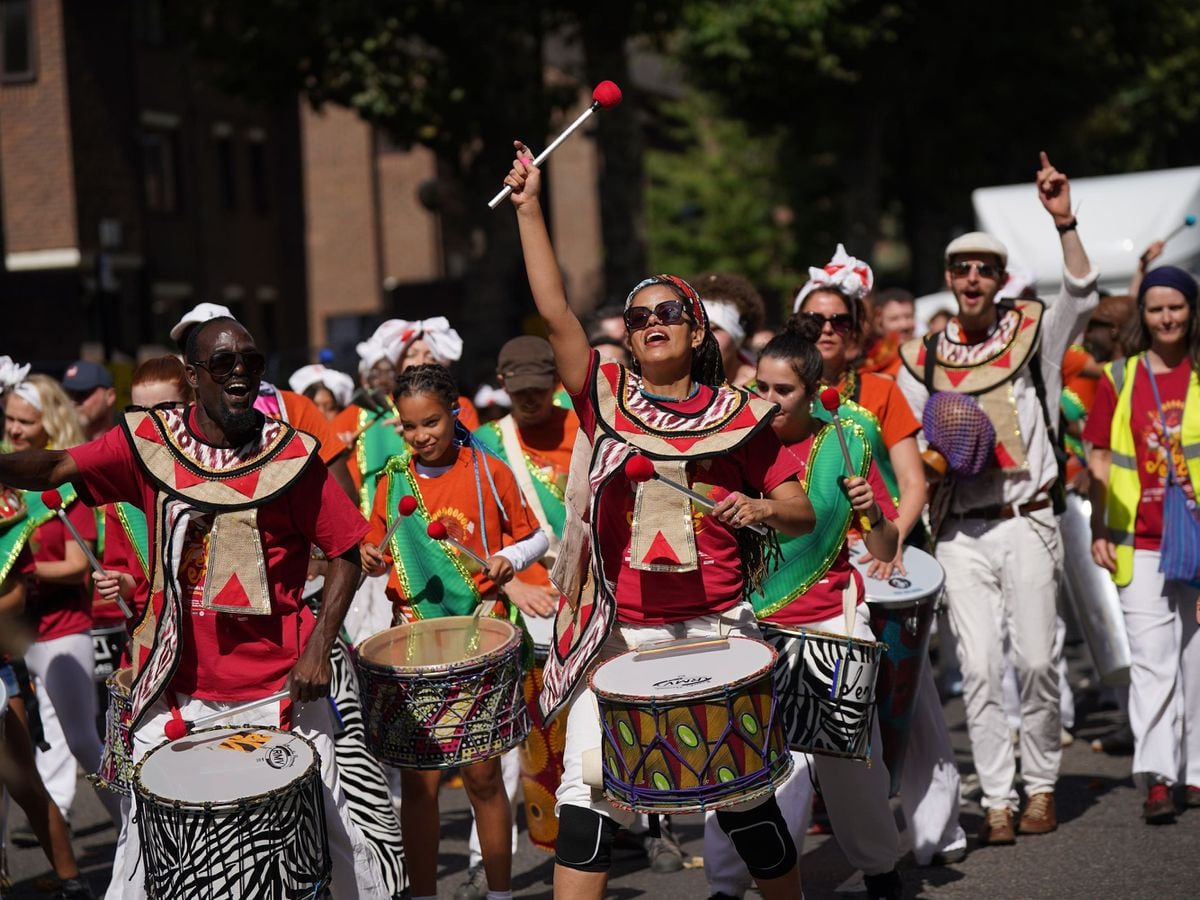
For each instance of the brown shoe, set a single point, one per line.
(997, 827)
(1039, 817)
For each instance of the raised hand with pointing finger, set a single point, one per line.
(1054, 190)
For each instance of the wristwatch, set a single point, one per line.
(1067, 226)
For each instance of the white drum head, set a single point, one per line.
(683, 672)
(224, 765)
(438, 643)
(541, 630)
(922, 579)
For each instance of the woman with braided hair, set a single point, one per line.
(660, 569)
(475, 496)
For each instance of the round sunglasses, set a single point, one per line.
(669, 312)
(222, 364)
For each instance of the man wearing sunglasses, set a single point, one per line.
(234, 502)
(997, 534)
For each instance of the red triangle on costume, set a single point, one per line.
(684, 442)
(244, 484)
(1005, 361)
(1004, 458)
(622, 422)
(744, 419)
(1027, 322)
(661, 552)
(921, 356)
(233, 594)
(293, 450)
(147, 430)
(957, 376)
(186, 478)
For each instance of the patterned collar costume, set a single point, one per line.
(193, 478)
(21, 512)
(663, 536)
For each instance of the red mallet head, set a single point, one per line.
(175, 729)
(52, 499)
(830, 399)
(718, 494)
(607, 94)
(408, 505)
(437, 531)
(638, 468)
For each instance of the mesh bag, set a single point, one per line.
(957, 428)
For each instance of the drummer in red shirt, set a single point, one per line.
(222, 461)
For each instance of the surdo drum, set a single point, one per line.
(233, 812)
(446, 692)
(689, 726)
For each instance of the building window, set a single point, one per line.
(227, 173)
(160, 171)
(260, 189)
(16, 40)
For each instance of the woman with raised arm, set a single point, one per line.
(672, 570)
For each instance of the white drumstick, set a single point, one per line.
(205, 721)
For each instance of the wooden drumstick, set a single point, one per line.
(54, 501)
(639, 468)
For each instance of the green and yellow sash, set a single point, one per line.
(806, 559)
(376, 446)
(18, 528)
(133, 523)
(550, 492)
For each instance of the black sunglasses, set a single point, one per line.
(985, 270)
(842, 323)
(222, 364)
(669, 312)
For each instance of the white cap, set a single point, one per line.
(337, 383)
(198, 314)
(977, 242)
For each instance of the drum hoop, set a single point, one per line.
(111, 681)
(300, 783)
(921, 600)
(483, 661)
(704, 693)
(771, 785)
(799, 631)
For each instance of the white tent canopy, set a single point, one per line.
(1119, 217)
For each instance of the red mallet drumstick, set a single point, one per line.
(177, 728)
(639, 468)
(605, 96)
(438, 532)
(408, 506)
(831, 400)
(54, 501)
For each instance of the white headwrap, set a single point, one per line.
(12, 380)
(337, 383)
(488, 396)
(725, 316)
(851, 276)
(443, 341)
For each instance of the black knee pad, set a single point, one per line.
(761, 838)
(585, 839)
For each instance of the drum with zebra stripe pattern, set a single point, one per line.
(233, 812)
(826, 688)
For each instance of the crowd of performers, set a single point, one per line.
(608, 585)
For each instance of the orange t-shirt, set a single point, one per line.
(883, 398)
(303, 414)
(451, 499)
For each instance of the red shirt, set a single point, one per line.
(60, 609)
(1149, 440)
(824, 599)
(757, 467)
(225, 656)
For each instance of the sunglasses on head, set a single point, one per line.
(962, 269)
(669, 312)
(221, 365)
(842, 323)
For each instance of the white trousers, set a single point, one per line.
(355, 872)
(583, 722)
(1066, 697)
(856, 798)
(1160, 618)
(62, 670)
(1002, 579)
(510, 771)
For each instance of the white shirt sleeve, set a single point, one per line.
(524, 553)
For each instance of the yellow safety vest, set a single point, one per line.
(1124, 481)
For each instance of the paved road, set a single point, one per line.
(1101, 849)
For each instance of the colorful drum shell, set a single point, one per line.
(826, 688)
(108, 644)
(902, 613)
(541, 767)
(432, 702)
(116, 763)
(199, 839)
(691, 742)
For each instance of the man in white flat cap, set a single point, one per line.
(994, 515)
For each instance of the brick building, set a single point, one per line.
(130, 189)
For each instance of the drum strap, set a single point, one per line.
(537, 494)
(376, 446)
(19, 528)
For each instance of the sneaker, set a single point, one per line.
(949, 857)
(475, 887)
(1118, 742)
(997, 827)
(886, 886)
(1191, 797)
(1039, 816)
(75, 889)
(664, 852)
(1159, 808)
(1066, 738)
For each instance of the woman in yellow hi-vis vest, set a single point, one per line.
(1145, 435)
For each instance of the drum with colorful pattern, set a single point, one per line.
(116, 763)
(688, 726)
